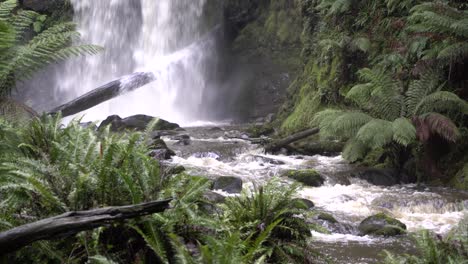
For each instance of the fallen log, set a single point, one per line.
(104, 93)
(281, 143)
(71, 223)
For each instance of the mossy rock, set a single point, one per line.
(307, 177)
(327, 217)
(176, 170)
(382, 225)
(303, 203)
(228, 184)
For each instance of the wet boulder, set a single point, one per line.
(182, 140)
(214, 197)
(327, 217)
(136, 123)
(308, 204)
(175, 170)
(307, 177)
(228, 184)
(323, 148)
(381, 225)
(380, 177)
(160, 151)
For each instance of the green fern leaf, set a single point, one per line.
(376, 133)
(404, 132)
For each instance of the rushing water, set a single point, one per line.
(213, 152)
(170, 38)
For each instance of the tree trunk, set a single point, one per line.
(71, 223)
(278, 144)
(104, 93)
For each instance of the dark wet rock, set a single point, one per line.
(327, 217)
(228, 184)
(215, 129)
(307, 203)
(260, 130)
(380, 177)
(322, 148)
(307, 177)
(182, 140)
(136, 122)
(175, 170)
(159, 150)
(382, 225)
(214, 197)
(41, 5)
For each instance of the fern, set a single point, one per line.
(19, 60)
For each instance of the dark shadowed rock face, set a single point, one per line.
(382, 225)
(137, 123)
(380, 177)
(42, 5)
(160, 151)
(228, 184)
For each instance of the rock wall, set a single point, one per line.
(264, 49)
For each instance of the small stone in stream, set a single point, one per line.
(307, 203)
(381, 225)
(307, 177)
(215, 129)
(327, 217)
(175, 170)
(214, 197)
(228, 184)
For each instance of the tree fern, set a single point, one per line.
(19, 58)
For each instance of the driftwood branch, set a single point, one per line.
(104, 93)
(73, 222)
(278, 144)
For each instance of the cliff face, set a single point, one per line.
(264, 50)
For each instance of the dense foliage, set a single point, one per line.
(47, 169)
(385, 76)
(26, 46)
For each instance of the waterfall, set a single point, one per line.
(170, 38)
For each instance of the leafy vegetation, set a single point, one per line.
(383, 76)
(47, 169)
(435, 249)
(23, 52)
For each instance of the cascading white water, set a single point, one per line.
(166, 37)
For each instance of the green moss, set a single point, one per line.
(382, 225)
(460, 181)
(307, 177)
(327, 217)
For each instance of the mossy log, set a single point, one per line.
(104, 93)
(71, 223)
(278, 144)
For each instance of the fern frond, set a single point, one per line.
(439, 102)
(376, 133)
(435, 124)
(453, 52)
(354, 150)
(417, 90)
(404, 132)
(348, 124)
(6, 7)
(23, 21)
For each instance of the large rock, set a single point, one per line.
(308, 204)
(136, 122)
(160, 151)
(381, 225)
(307, 177)
(323, 148)
(380, 177)
(228, 184)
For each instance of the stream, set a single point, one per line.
(221, 151)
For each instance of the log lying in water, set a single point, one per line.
(278, 144)
(73, 222)
(104, 93)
